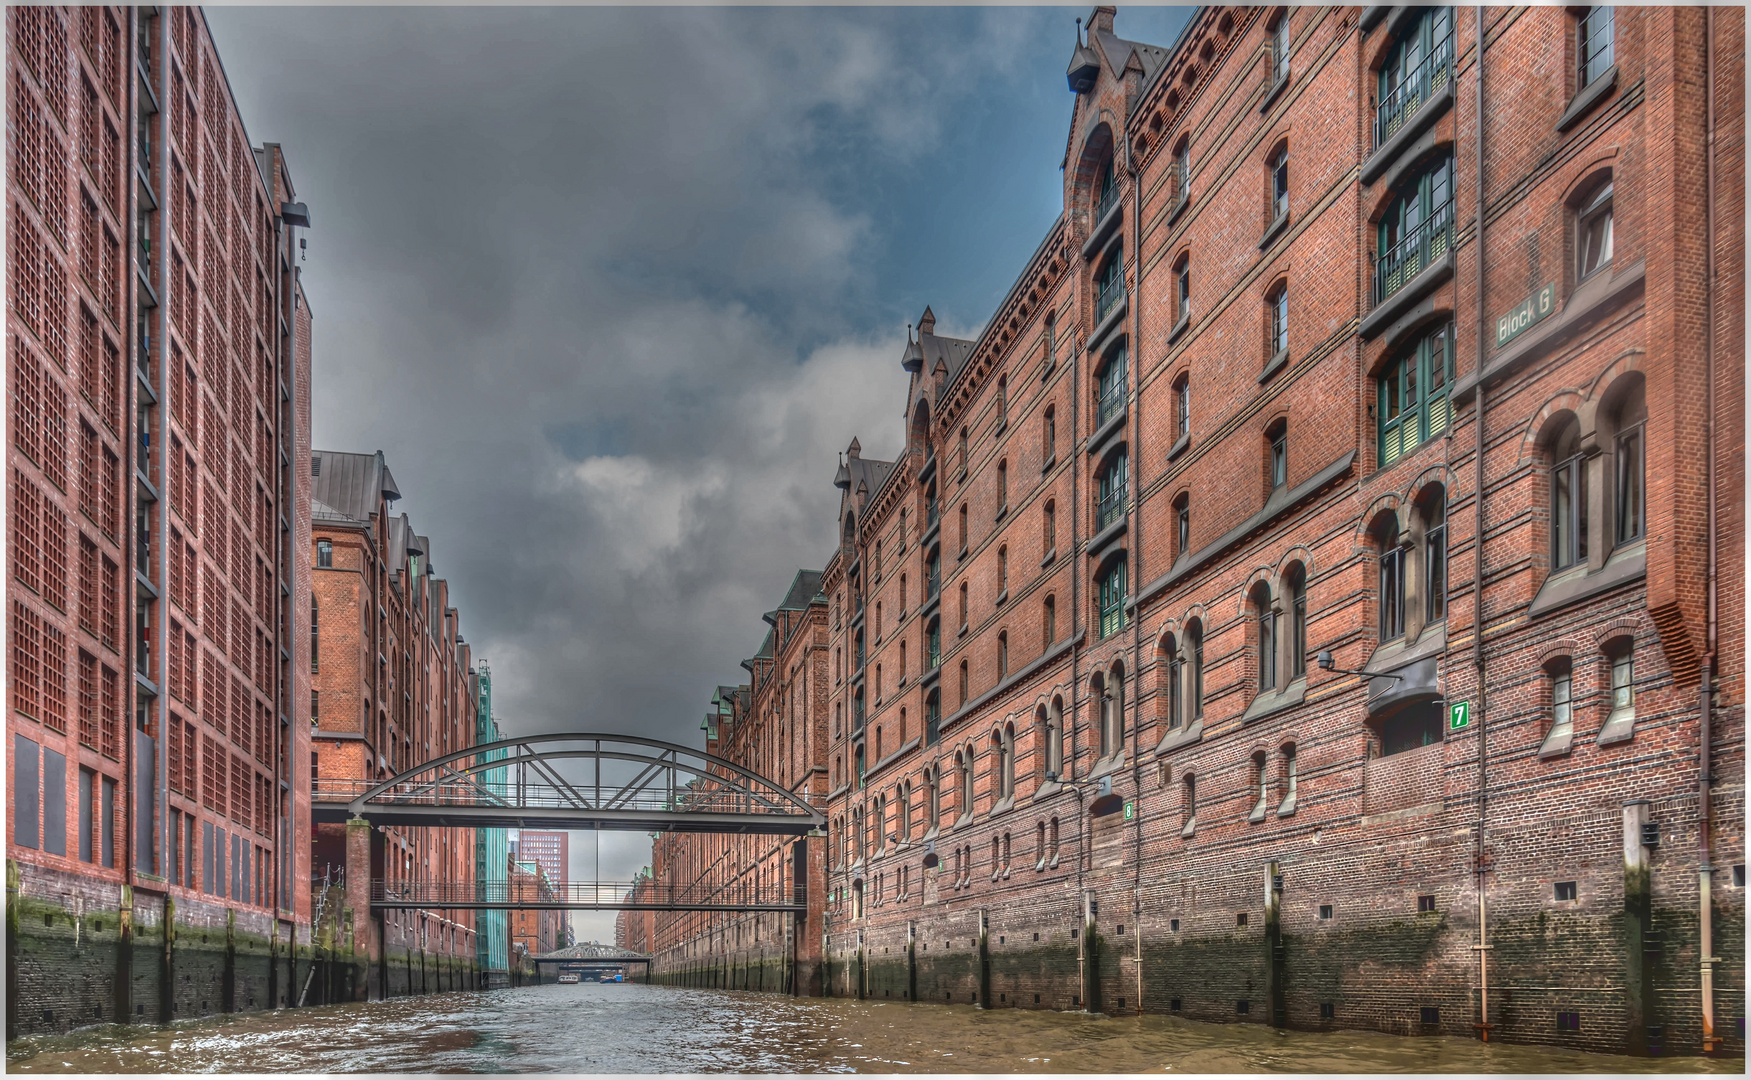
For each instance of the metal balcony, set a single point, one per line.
(1422, 246)
(1408, 96)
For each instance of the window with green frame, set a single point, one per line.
(1112, 599)
(1416, 230)
(1413, 396)
(1419, 65)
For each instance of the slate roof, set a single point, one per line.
(952, 353)
(344, 487)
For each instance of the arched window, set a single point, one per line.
(1266, 619)
(1182, 279)
(1391, 577)
(930, 506)
(1182, 406)
(1006, 750)
(1039, 846)
(1182, 525)
(857, 710)
(1103, 708)
(1048, 434)
(1002, 402)
(902, 661)
(324, 555)
(1277, 174)
(932, 798)
(903, 795)
(1169, 676)
(858, 758)
(961, 449)
(1055, 739)
(1003, 569)
(902, 596)
(1568, 497)
(1049, 529)
(878, 620)
(1188, 804)
(933, 572)
(963, 610)
(1629, 453)
(1295, 583)
(1049, 622)
(1276, 457)
(315, 638)
(1003, 654)
(1560, 672)
(963, 522)
(1182, 169)
(878, 742)
(1002, 485)
(1110, 595)
(964, 683)
(1195, 669)
(1288, 804)
(1051, 340)
(964, 780)
(932, 717)
(1277, 321)
(1261, 785)
(1110, 385)
(1413, 395)
(1113, 710)
(1433, 511)
(933, 645)
(857, 651)
(1112, 486)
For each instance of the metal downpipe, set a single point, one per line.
(1483, 944)
(1704, 872)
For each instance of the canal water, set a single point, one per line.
(631, 1027)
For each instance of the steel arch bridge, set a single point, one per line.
(627, 783)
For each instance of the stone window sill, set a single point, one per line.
(1179, 328)
(1190, 827)
(1558, 743)
(1002, 597)
(1258, 813)
(1051, 460)
(1050, 556)
(1178, 737)
(1626, 564)
(1180, 445)
(1619, 727)
(1274, 91)
(1587, 97)
(1273, 230)
(1274, 365)
(1288, 808)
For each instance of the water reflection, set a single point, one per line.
(630, 1027)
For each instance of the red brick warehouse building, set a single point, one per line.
(391, 686)
(158, 375)
(1339, 311)
(775, 726)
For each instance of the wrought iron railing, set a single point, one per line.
(1110, 508)
(1109, 297)
(1108, 199)
(1111, 403)
(1416, 250)
(1408, 96)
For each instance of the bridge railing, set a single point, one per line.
(542, 795)
(449, 894)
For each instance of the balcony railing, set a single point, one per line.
(933, 584)
(1108, 199)
(1408, 96)
(1110, 508)
(1420, 247)
(1109, 297)
(1111, 403)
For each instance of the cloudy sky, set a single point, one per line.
(610, 288)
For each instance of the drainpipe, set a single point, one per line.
(1477, 655)
(1136, 699)
(1710, 1042)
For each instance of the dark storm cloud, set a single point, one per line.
(609, 288)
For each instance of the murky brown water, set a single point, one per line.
(631, 1027)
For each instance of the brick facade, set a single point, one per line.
(158, 371)
(1237, 412)
(392, 684)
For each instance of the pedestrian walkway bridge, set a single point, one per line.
(573, 781)
(748, 895)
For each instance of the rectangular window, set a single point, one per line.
(1112, 600)
(1595, 233)
(1597, 43)
(26, 794)
(1565, 890)
(87, 818)
(1267, 649)
(1279, 461)
(1183, 527)
(107, 836)
(1419, 66)
(1425, 903)
(1280, 174)
(1568, 1021)
(54, 802)
(1413, 397)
